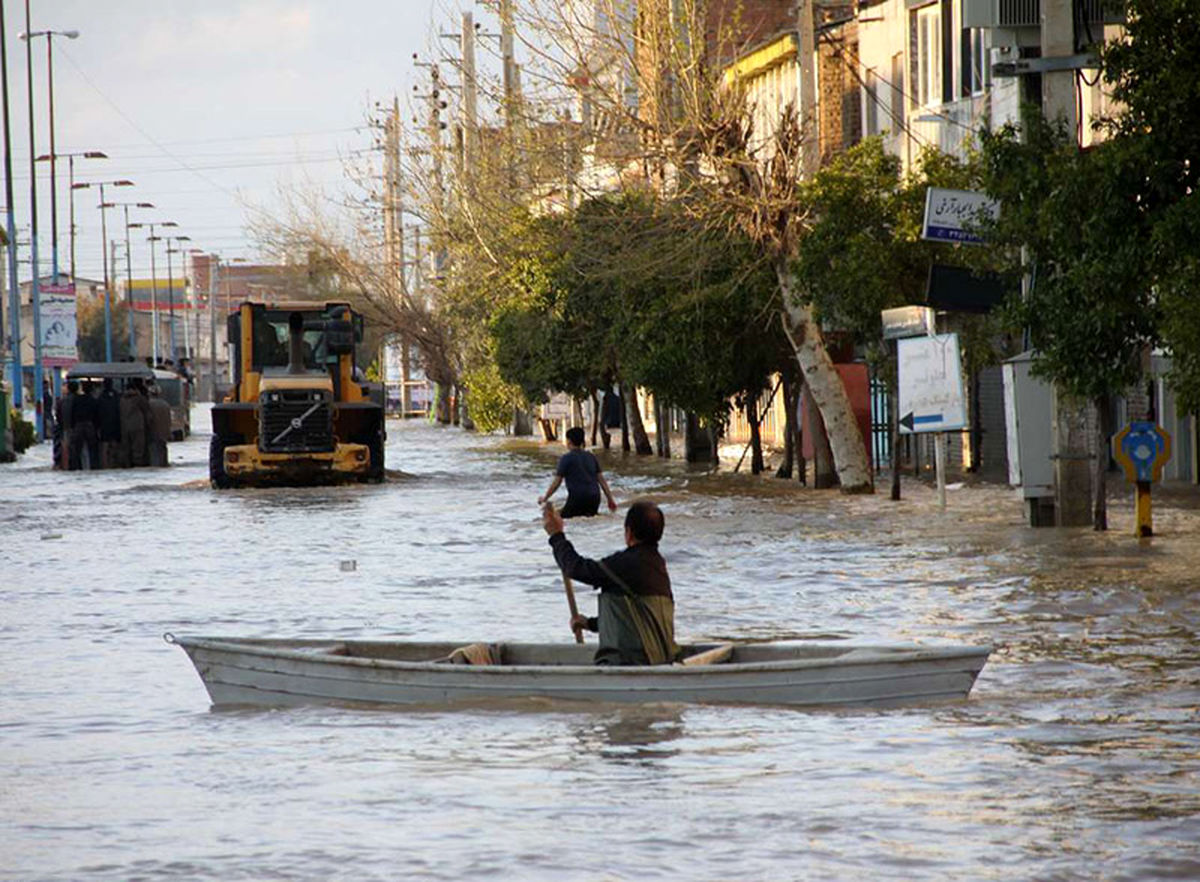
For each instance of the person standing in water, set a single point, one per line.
(585, 479)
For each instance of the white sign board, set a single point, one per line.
(907, 321)
(952, 215)
(59, 330)
(931, 387)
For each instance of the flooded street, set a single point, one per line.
(1076, 757)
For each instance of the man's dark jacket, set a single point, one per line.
(626, 624)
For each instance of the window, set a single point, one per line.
(976, 72)
(897, 123)
(872, 104)
(925, 41)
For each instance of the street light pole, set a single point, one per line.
(14, 289)
(34, 282)
(152, 238)
(212, 325)
(49, 35)
(103, 247)
(171, 290)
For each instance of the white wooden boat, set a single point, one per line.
(238, 670)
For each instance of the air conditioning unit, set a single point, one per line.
(1007, 14)
(1015, 14)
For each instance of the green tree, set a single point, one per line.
(1155, 141)
(90, 330)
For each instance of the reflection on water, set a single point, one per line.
(1077, 757)
(632, 734)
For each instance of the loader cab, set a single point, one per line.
(327, 334)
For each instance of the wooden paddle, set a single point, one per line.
(567, 586)
(571, 603)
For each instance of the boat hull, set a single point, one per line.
(240, 671)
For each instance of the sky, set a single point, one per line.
(211, 107)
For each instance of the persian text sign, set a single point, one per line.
(953, 215)
(931, 387)
(59, 329)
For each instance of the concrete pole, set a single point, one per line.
(104, 252)
(1058, 41)
(470, 91)
(153, 299)
(509, 78)
(1071, 416)
(14, 290)
(35, 281)
(129, 289)
(214, 268)
(805, 60)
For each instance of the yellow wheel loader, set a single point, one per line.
(298, 413)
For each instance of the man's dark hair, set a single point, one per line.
(72, 386)
(575, 436)
(645, 521)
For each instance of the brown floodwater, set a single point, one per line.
(1076, 757)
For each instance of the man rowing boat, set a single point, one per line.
(636, 620)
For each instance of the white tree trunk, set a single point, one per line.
(845, 439)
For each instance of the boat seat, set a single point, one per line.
(473, 654)
(713, 656)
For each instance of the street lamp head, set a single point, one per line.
(122, 183)
(182, 238)
(95, 154)
(143, 205)
(80, 186)
(70, 35)
(168, 224)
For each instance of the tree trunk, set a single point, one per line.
(664, 428)
(658, 426)
(625, 446)
(522, 425)
(789, 428)
(595, 417)
(824, 475)
(845, 439)
(576, 412)
(641, 440)
(696, 443)
(1100, 477)
(801, 462)
(756, 456)
(1069, 445)
(605, 437)
(443, 404)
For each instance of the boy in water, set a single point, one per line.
(581, 470)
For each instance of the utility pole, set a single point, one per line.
(508, 59)
(14, 290)
(470, 93)
(34, 280)
(214, 268)
(393, 237)
(522, 425)
(1069, 431)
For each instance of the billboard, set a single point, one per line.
(60, 332)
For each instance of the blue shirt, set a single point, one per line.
(579, 470)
